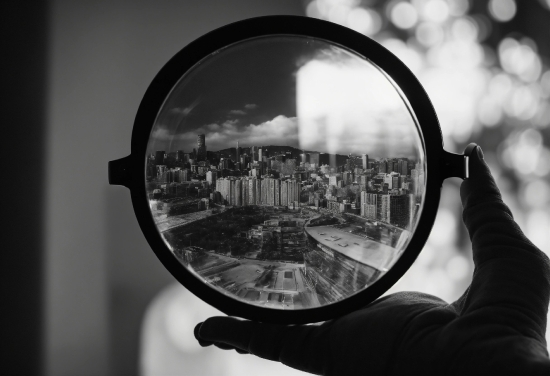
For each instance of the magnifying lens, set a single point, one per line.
(286, 169)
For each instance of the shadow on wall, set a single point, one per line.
(24, 43)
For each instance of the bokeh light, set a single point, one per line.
(436, 11)
(458, 8)
(364, 21)
(489, 84)
(429, 34)
(403, 15)
(502, 10)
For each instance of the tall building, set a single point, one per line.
(314, 159)
(244, 192)
(290, 191)
(254, 153)
(333, 179)
(376, 200)
(403, 166)
(284, 192)
(186, 175)
(159, 157)
(385, 208)
(383, 167)
(365, 159)
(258, 192)
(244, 161)
(347, 177)
(412, 211)
(370, 212)
(277, 192)
(226, 187)
(201, 147)
(399, 214)
(363, 180)
(417, 180)
(211, 177)
(238, 154)
(253, 191)
(237, 192)
(396, 181)
(260, 156)
(363, 203)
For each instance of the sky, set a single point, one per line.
(290, 91)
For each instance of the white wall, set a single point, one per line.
(100, 272)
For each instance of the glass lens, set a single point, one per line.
(286, 172)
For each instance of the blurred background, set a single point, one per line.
(84, 294)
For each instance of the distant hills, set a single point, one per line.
(275, 150)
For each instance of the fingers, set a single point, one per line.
(510, 272)
(303, 347)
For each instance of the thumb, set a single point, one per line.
(304, 347)
(480, 186)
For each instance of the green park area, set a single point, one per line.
(223, 233)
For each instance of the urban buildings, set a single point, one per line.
(387, 190)
(249, 215)
(201, 147)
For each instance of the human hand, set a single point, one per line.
(496, 327)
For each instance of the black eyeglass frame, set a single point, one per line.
(440, 164)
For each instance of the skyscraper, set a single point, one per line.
(159, 157)
(403, 166)
(245, 192)
(238, 156)
(365, 159)
(253, 191)
(284, 192)
(314, 159)
(211, 177)
(399, 211)
(201, 148)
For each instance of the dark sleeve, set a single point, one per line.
(509, 295)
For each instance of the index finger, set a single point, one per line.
(304, 347)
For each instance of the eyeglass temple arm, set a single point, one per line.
(456, 165)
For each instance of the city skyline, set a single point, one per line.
(285, 172)
(300, 92)
(280, 227)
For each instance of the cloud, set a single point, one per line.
(184, 111)
(281, 130)
(382, 135)
(247, 107)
